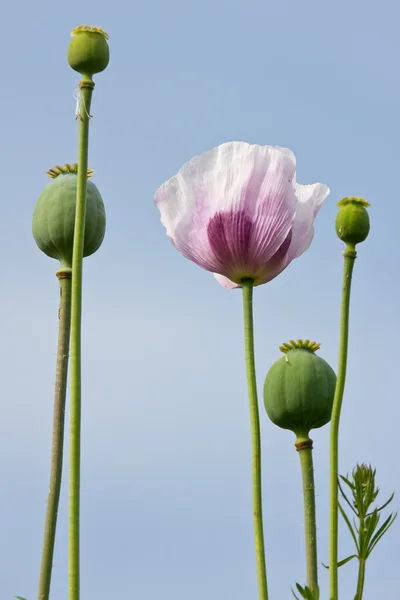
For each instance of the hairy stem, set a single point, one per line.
(57, 447)
(361, 579)
(310, 525)
(247, 286)
(349, 258)
(76, 317)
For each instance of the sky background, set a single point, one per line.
(166, 496)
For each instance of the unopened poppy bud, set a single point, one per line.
(88, 51)
(352, 221)
(299, 389)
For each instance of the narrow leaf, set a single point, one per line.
(346, 498)
(346, 560)
(370, 526)
(306, 593)
(349, 525)
(342, 562)
(386, 503)
(381, 531)
(297, 598)
(346, 480)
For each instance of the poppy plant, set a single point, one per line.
(238, 212)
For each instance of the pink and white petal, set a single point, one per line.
(176, 202)
(270, 274)
(267, 276)
(184, 210)
(233, 174)
(257, 180)
(310, 199)
(256, 184)
(269, 195)
(226, 283)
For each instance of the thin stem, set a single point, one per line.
(361, 579)
(310, 524)
(57, 447)
(76, 316)
(247, 286)
(361, 556)
(349, 257)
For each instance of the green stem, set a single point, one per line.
(304, 448)
(361, 579)
(76, 316)
(349, 258)
(247, 286)
(64, 315)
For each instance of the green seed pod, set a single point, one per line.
(299, 389)
(352, 221)
(54, 216)
(88, 51)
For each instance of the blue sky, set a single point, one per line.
(166, 501)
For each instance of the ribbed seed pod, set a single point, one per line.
(88, 51)
(53, 221)
(299, 389)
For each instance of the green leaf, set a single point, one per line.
(349, 525)
(344, 495)
(346, 560)
(342, 562)
(381, 531)
(370, 525)
(386, 503)
(297, 598)
(347, 481)
(306, 593)
(19, 598)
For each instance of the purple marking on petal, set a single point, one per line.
(229, 236)
(280, 254)
(272, 269)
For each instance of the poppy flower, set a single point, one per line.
(238, 212)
